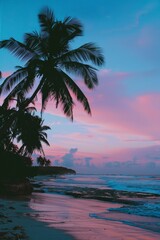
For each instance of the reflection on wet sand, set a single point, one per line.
(78, 217)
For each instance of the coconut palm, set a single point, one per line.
(8, 121)
(24, 126)
(32, 133)
(47, 163)
(42, 161)
(51, 63)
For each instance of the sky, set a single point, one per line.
(123, 134)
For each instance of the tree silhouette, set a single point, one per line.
(23, 125)
(50, 63)
(42, 161)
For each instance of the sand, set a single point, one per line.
(56, 217)
(16, 223)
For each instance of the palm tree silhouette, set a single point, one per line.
(42, 161)
(50, 64)
(23, 125)
(32, 134)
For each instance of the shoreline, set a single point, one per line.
(16, 222)
(64, 217)
(74, 216)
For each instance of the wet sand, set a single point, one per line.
(75, 216)
(16, 223)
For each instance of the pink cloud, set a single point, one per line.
(6, 74)
(133, 161)
(118, 121)
(114, 111)
(55, 150)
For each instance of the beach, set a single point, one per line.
(16, 222)
(44, 216)
(73, 216)
(60, 217)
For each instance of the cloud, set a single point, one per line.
(6, 74)
(114, 111)
(143, 45)
(144, 11)
(144, 160)
(118, 120)
(135, 18)
(68, 159)
(88, 161)
(73, 150)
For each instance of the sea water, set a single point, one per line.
(144, 184)
(136, 184)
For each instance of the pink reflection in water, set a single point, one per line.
(72, 215)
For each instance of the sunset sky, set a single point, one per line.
(123, 133)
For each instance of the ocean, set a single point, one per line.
(145, 213)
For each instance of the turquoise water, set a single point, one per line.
(143, 184)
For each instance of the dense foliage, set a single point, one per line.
(14, 166)
(23, 126)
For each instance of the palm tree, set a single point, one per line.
(47, 163)
(23, 125)
(42, 161)
(32, 134)
(50, 64)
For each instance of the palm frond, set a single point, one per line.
(61, 35)
(22, 88)
(57, 40)
(67, 103)
(44, 134)
(27, 84)
(77, 92)
(43, 139)
(87, 52)
(55, 88)
(46, 19)
(87, 72)
(30, 109)
(73, 27)
(19, 49)
(44, 128)
(33, 41)
(13, 93)
(13, 79)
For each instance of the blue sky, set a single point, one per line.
(124, 126)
